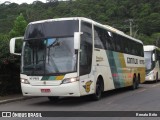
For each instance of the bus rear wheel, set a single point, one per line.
(99, 89)
(135, 83)
(156, 78)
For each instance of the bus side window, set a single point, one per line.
(140, 49)
(122, 44)
(83, 54)
(110, 45)
(86, 49)
(99, 38)
(118, 46)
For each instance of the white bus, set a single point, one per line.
(152, 62)
(76, 57)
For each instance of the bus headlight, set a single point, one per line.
(70, 80)
(25, 81)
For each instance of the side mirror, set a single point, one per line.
(12, 45)
(77, 36)
(153, 57)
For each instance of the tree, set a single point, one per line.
(18, 27)
(51, 1)
(156, 38)
(5, 56)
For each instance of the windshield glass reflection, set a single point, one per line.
(49, 56)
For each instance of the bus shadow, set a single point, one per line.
(118, 91)
(77, 101)
(65, 101)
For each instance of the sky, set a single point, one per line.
(21, 1)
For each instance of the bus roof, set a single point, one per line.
(150, 47)
(109, 28)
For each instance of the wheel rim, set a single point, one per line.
(137, 83)
(134, 84)
(98, 90)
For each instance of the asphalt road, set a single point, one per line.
(146, 98)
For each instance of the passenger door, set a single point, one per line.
(85, 65)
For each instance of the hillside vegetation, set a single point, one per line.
(143, 14)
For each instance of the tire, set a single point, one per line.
(135, 83)
(156, 78)
(99, 89)
(53, 99)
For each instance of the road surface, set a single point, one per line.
(146, 98)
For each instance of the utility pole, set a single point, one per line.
(130, 26)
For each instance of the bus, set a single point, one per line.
(77, 56)
(152, 62)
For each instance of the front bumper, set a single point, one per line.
(69, 89)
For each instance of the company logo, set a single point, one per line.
(6, 114)
(87, 86)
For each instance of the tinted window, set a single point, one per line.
(140, 49)
(111, 41)
(100, 38)
(52, 29)
(86, 49)
(103, 39)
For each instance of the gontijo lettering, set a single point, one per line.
(132, 60)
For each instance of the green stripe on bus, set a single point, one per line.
(113, 68)
(119, 69)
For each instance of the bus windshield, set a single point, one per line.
(49, 56)
(149, 63)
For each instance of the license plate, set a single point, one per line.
(45, 90)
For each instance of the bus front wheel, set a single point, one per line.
(99, 89)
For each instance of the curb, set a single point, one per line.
(14, 99)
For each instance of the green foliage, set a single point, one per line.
(10, 64)
(145, 14)
(19, 26)
(18, 30)
(9, 68)
(5, 56)
(14, 19)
